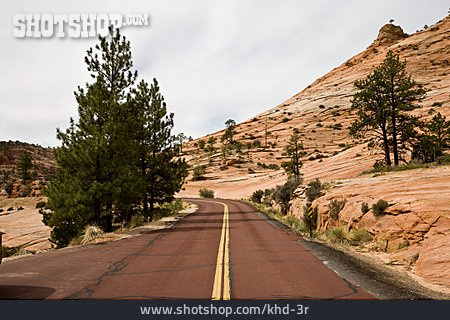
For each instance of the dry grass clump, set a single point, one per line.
(90, 234)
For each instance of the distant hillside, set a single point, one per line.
(321, 113)
(10, 153)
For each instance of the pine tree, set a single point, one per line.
(373, 118)
(435, 139)
(180, 139)
(162, 172)
(95, 176)
(211, 142)
(402, 94)
(24, 166)
(228, 135)
(294, 150)
(383, 101)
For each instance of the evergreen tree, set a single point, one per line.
(211, 142)
(162, 172)
(402, 94)
(383, 102)
(180, 139)
(432, 143)
(294, 149)
(95, 176)
(228, 135)
(24, 166)
(439, 129)
(373, 114)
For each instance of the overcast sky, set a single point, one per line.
(214, 60)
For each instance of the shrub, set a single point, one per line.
(10, 209)
(313, 190)
(403, 244)
(257, 196)
(8, 251)
(365, 207)
(9, 189)
(41, 204)
(206, 193)
(335, 206)
(359, 236)
(293, 222)
(20, 208)
(444, 159)
(283, 194)
(136, 221)
(1, 210)
(250, 170)
(337, 235)
(201, 144)
(256, 144)
(199, 172)
(174, 207)
(285, 120)
(379, 207)
(337, 126)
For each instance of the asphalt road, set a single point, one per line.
(223, 251)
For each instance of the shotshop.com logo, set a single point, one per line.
(74, 25)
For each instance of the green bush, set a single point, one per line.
(337, 235)
(444, 159)
(174, 207)
(359, 236)
(283, 194)
(199, 172)
(365, 207)
(206, 193)
(335, 206)
(293, 223)
(403, 244)
(380, 207)
(136, 221)
(8, 251)
(313, 190)
(257, 196)
(41, 204)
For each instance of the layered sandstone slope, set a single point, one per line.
(321, 113)
(414, 231)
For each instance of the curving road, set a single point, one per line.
(225, 250)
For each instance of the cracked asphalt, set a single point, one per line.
(265, 262)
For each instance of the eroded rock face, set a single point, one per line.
(415, 228)
(389, 34)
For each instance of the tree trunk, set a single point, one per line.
(394, 139)
(152, 204)
(386, 148)
(108, 218)
(144, 194)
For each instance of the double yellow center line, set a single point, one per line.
(221, 288)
